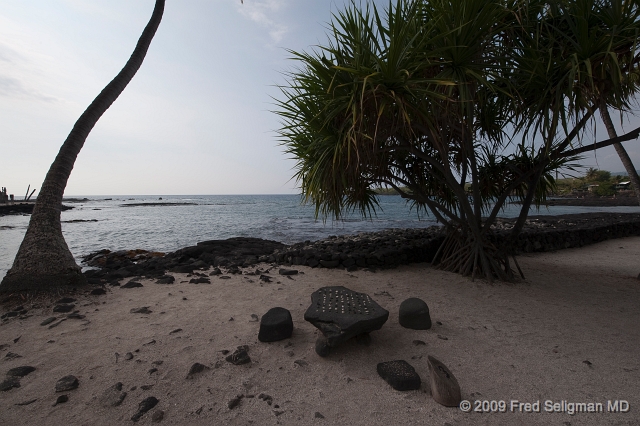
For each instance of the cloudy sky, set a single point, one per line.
(195, 119)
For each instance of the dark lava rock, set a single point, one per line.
(157, 416)
(399, 374)
(11, 355)
(166, 279)
(288, 272)
(61, 400)
(66, 300)
(265, 278)
(196, 369)
(98, 292)
(48, 321)
(340, 314)
(63, 308)
(113, 396)
(132, 284)
(318, 415)
(200, 280)
(128, 356)
(239, 357)
(235, 402)
(275, 325)
(414, 314)
(216, 271)
(20, 371)
(67, 383)
(27, 402)
(143, 310)
(144, 406)
(9, 383)
(445, 389)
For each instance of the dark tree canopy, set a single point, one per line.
(459, 105)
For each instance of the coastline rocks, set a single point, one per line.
(445, 389)
(275, 325)
(166, 279)
(63, 308)
(132, 284)
(399, 374)
(414, 314)
(384, 249)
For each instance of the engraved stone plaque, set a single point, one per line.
(341, 314)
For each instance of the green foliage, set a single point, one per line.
(419, 97)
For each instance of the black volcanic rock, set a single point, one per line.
(144, 406)
(414, 314)
(240, 356)
(20, 371)
(113, 396)
(67, 383)
(132, 284)
(64, 307)
(166, 279)
(275, 325)
(340, 314)
(399, 374)
(9, 383)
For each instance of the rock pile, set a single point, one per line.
(384, 249)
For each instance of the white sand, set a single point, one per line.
(527, 342)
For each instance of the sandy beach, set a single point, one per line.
(569, 332)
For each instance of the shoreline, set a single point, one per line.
(378, 250)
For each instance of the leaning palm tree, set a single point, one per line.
(43, 260)
(602, 37)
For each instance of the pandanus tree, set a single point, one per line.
(426, 98)
(43, 260)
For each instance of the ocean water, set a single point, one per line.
(111, 222)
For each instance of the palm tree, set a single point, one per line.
(43, 260)
(609, 58)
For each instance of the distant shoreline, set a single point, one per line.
(21, 208)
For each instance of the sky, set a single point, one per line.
(197, 117)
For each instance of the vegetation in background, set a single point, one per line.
(580, 185)
(427, 96)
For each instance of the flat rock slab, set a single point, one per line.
(340, 314)
(400, 375)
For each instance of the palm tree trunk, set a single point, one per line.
(44, 260)
(622, 153)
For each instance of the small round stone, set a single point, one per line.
(414, 314)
